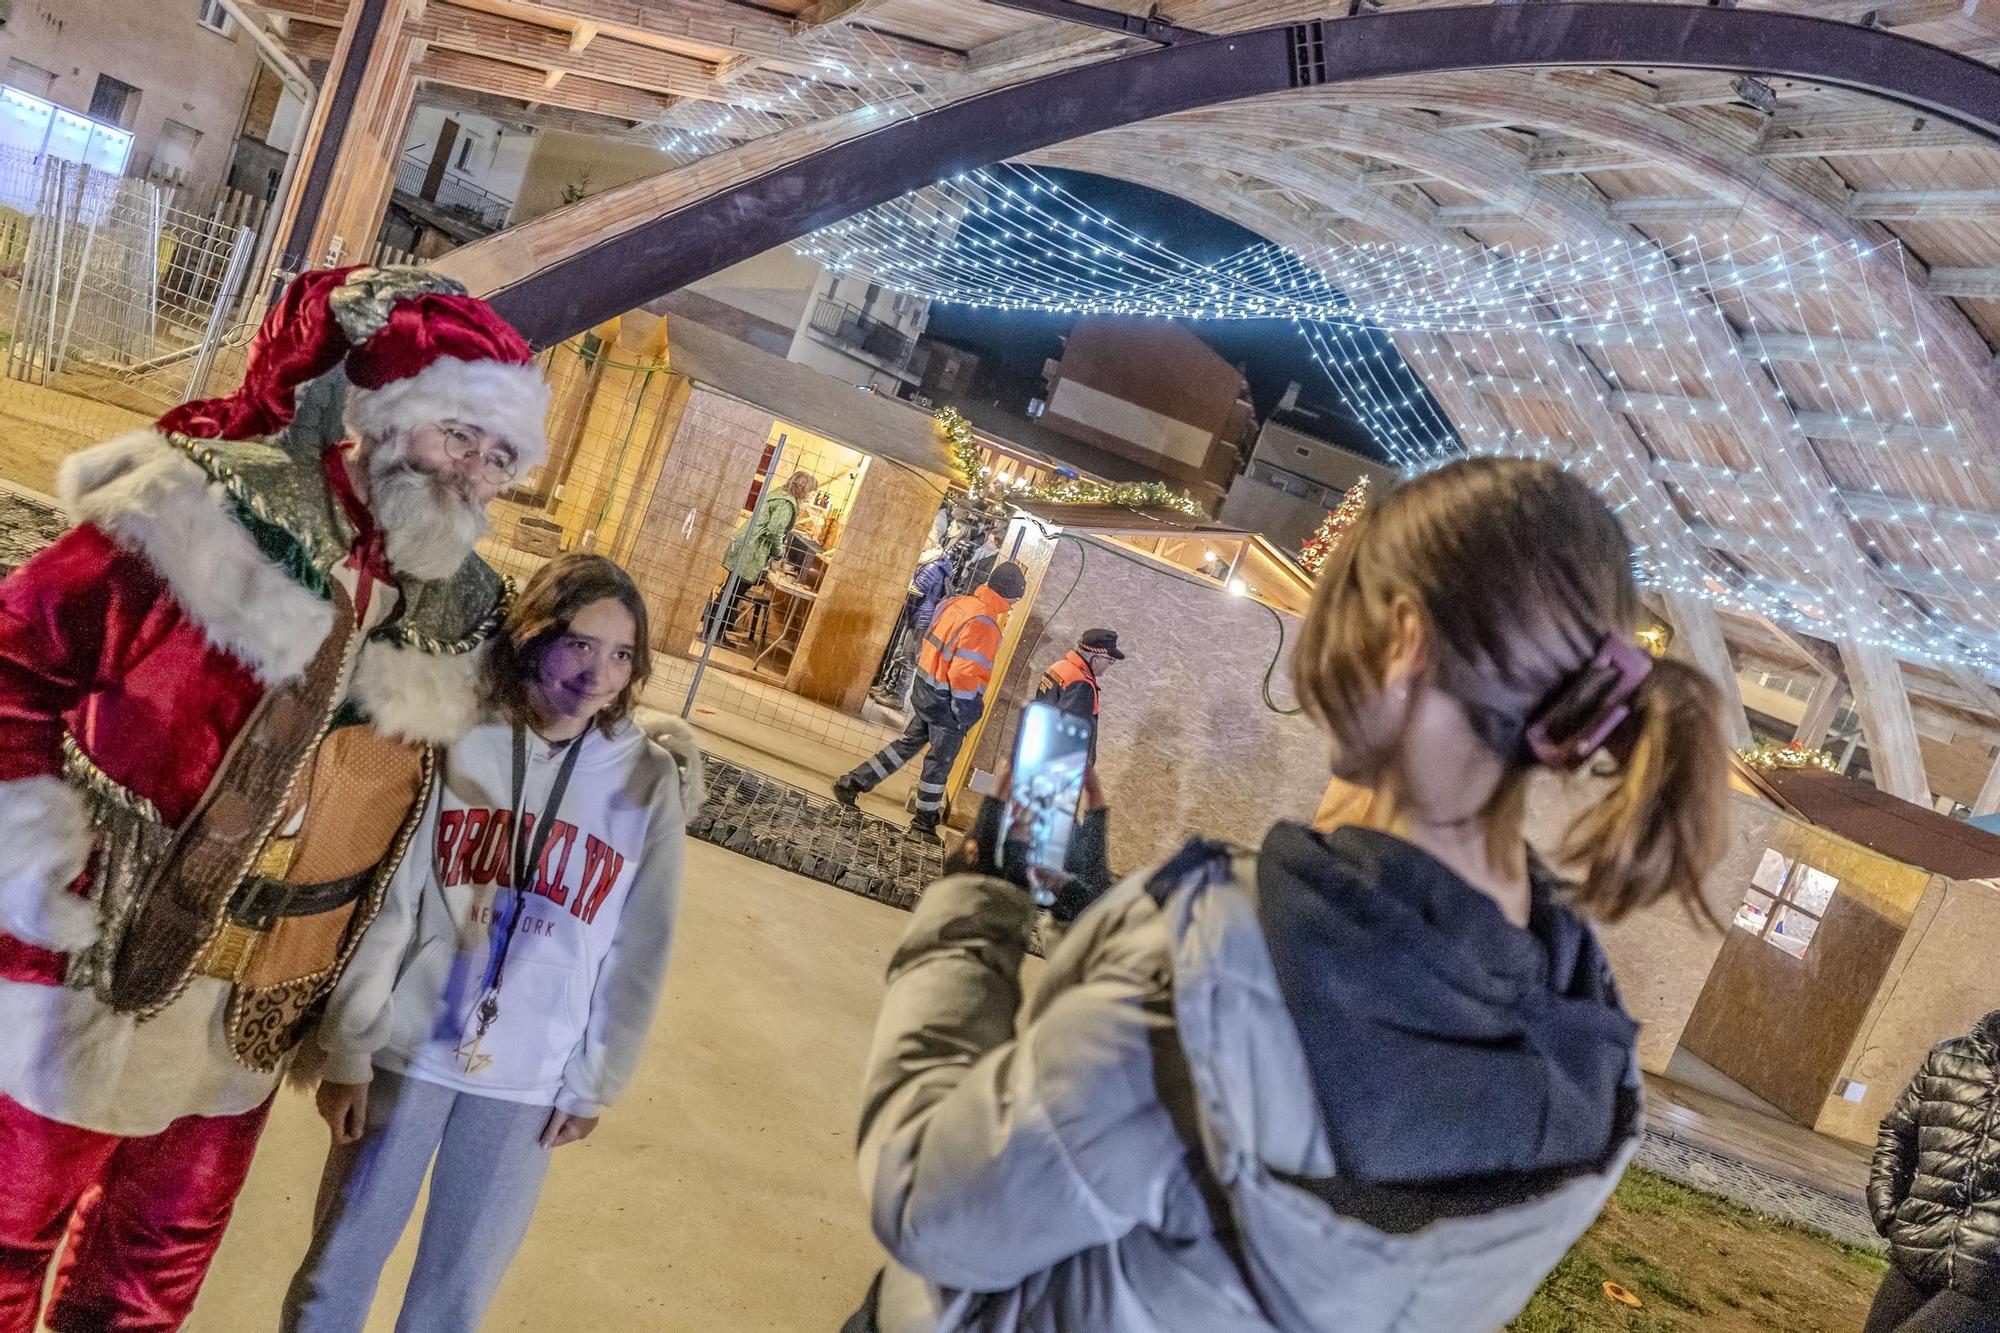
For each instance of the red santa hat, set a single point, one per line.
(416, 349)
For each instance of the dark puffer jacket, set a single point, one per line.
(1935, 1189)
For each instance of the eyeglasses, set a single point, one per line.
(497, 465)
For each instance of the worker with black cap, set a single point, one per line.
(1071, 682)
(948, 696)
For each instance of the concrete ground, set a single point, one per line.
(719, 1194)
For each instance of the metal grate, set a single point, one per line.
(781, 825)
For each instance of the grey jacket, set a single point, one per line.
(1140, 1154)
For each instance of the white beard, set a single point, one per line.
(428, 526)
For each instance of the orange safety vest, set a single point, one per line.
(958, 652)
(1068, 670)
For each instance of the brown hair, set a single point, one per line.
(1518, 571)
(541, 614)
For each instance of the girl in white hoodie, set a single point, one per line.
(500, 1000)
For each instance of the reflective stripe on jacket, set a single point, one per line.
(958, 652)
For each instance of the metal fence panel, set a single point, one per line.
(121, 295)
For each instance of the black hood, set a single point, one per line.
(1444, 1043)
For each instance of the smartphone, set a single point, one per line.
(1050, 755)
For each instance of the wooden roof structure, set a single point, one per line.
(1504, 159)
(1878, 821)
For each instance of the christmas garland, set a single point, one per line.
(966, 457)
(1791, 755)
(1333, 527)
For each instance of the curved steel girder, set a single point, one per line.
(781, 204)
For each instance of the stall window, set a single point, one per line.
(1785, 903)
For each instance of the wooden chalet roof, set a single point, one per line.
(1913, 834)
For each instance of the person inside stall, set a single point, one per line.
(758, 541)
(973, 569)
(929, 587)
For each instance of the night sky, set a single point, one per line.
(1271, 350)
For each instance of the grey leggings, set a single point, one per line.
(488, 1175)
(1901, 1306)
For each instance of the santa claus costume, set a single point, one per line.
(218, 699)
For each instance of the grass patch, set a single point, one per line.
(1702, 1263)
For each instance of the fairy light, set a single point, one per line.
(1677, 339)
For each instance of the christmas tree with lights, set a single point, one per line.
(1322, 543)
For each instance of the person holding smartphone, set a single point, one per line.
(1371, 1079)
(500, 1003)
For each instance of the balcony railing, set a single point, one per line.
(881, 342)
(454, 193)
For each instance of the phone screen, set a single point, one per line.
(1050, 755)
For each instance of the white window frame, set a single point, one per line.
(211, 15)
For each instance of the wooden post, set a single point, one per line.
(1883, 701)
(1827, 697)
(1988, 800)
(1698, 634)
(352, 145)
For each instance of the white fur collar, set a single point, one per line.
(151, 498)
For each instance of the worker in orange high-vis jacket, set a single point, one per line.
(1071, 682)
(954, 667)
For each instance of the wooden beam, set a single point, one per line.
(1634, 212)
(1842, 143)
(517, 111)
(451, 28)
(1821, 656)
(1988, 800)
(1968, 284)
(722, 25)
(1832, 426)
(836, 11)
(309, 42)
(1895, 13)
(1883, 700)
(1862, 206)
(1810, 349)
(582, 36)
(1698, 634)
(1924, 205)
(327, 13)
(461, 70)
(1040, 48)
(1825, 703)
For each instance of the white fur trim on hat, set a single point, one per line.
(48, 837)
(510, 401)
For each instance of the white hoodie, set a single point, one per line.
(590, 955)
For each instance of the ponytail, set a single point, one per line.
(1660, 828)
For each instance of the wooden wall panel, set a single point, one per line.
(865, 585)
(1782, 1026)
(697, 499)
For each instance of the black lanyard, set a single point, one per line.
(527, 854)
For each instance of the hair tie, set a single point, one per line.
(1589, 711)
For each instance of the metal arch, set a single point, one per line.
(584, 289)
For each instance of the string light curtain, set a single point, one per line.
(1613, 358)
